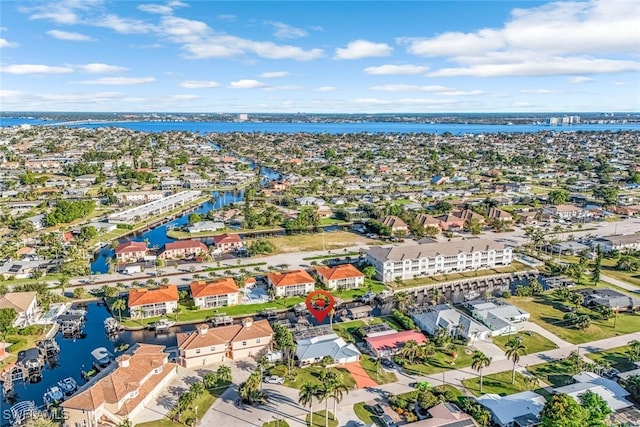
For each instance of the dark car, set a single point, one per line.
(387, 363)
(378, 410)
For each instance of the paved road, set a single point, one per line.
(284, 399)
(624, 285)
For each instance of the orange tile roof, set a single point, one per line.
(207, 337)
(344, 271)
(120, 381)
(224, 286)
(226, 238)
(290, 278)
(131, 247)
(143, 296)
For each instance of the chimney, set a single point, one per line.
(247, 322)
(123, 361)
(202, 329)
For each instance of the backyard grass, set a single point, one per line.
(545, 311)
(318, 420)
(440, 361)
(311, 374)
(349, 330)
(434, 280)
(617, 357)
(499, 383)
(379, 376)
(535, 343)
(362, 411)
(19, 343)
(335, 240)
(557, 373)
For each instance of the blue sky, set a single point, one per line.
(320, 57)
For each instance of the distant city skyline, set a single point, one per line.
(320, 57)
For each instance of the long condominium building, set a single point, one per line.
(409, 262)
(154, 208)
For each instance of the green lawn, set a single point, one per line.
(362, 412)
(545, 312)
(318, 420)
(276, 423)
(381, 376)
(440, 361)
(349, 330)
(535, 343)
(312, 374)
(557, 373)
(499, 384)
(616, 356)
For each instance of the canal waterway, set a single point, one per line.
(75, 354)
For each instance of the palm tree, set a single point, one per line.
(210, 380)
(197, 389)
(634, 351)
(224, 373)
(410, 351)
(479, 362)
(119, 305)
(337, 392)
(515, 349)
(305, 397)
(184, 401)
(402, 299)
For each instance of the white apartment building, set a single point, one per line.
(155, 208)
(408, 262)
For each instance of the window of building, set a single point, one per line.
(197, 351)
(213, 349)
(258, 341)
(244, 343)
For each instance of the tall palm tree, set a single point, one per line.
(479, 362)
(224, 373)
(197, 389)
(337, 392)
(410, 351)
(515, 349)
(119, 305)
(308, 391)
(402, 299)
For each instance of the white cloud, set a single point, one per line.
(389, 69)
(409, 88)
(540, 91)
(7, 43)
(61, 12)
(183, 97)
(198, 84)
(580, 79)
(363, 49)
(274, 74)
(118, 81)
(71, 36)
(97, 68)
(123, 25)
(284, 31)
(475, 92)
(325, 89)
(156, 8)
(34, 69)
(227, 17)
(247, 84)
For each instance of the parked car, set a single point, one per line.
(386, 363)
(387, 421)
(378, 409)
(274, 379)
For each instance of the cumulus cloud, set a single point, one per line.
(71, 36)
(199, 84)
(580, 79)
(325, 89)
(363, 49)
(389, 69)
(274, 74)
(554, 38)
(247, 84)
(118, 81)
(7, 43)
(284, 31)
(65, 12)
(162, 9)
(97, 68)
(34, 69)
(185, 96)
(123, 25)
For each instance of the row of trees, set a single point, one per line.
(331, 387)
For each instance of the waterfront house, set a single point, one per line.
(211, 345)
(228, 242)
(448, 318)
(619, 242)
(344, 276)
(203, 226)
(145, 303)
(500, 317)
(520, 409)
(389, 344)
(24, 303)
(131, 252)
(314, 344)
(291, 283)
(183, 249)
(411, 261)
(218, 293)
(123, 389)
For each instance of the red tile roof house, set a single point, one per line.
(131, 252)
(183, 249)
(218, 293)
(122, 390)
(145, 303)
(227, 242)
(291, 283)
(344, 276)
(390, 344)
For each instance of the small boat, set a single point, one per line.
(102, 357)
(111, 326)
(68, 386)
(54, 395)
(162, 326)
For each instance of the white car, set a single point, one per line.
(274, 379)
